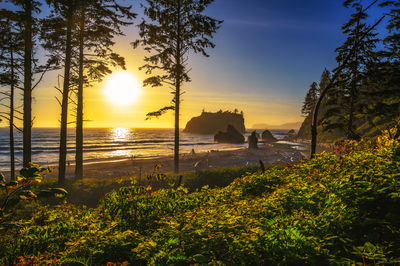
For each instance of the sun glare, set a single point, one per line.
(122, 88)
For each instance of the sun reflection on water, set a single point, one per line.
(121, 135)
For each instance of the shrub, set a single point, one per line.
(335, 209)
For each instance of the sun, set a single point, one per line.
(122, 88)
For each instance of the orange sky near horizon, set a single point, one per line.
(208, 90)
(266, 56)
(99, 112)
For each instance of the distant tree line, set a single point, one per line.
(365, 87)
(235, 112)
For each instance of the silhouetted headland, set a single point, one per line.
(211, 123)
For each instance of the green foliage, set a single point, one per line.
(366, 80)
(19, 190)
(345, 99)
(310, 100)
(339, 208)
(214, 178)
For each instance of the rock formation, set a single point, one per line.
(211, 123)
(268, 137)
(231, 135)
(291, 135)
(253, 141)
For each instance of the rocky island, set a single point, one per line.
(232, 135)
(211, 123)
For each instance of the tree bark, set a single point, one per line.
(314, 123)
(79, 112)
(177, 140)
(12, 87)
(64, 106)
(177, 89)
(27, 117)
(350, 130)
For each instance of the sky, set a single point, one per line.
(266, 56)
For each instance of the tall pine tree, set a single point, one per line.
(382, 86)
(358, 37)
(98, 22)
(11, 48)
(57, 33)
(310, 100)
(26, 12)
(173, 29)
(348, 102)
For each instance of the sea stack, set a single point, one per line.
(211, 123)
(231, 135)
(268, 137)
(253, 141)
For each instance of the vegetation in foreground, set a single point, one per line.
(90, 191)
(335, 209)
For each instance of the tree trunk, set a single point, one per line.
(351, 134)
(12, 155)
(177, 90)
(27, 117)
(350, 131)
(79, 112)
(64, 106)
(314, 123)
(176, 150)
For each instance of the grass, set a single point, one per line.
(89, 192)
(339, 209)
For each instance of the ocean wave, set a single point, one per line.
(104, 143)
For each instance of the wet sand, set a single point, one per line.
(268, 153)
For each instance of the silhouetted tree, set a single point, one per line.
(346, 103)
(99, 21)
(25, 13)
(57, 33)
(310, 100)
(324, 81)
(344, 63)
(28, 8)
(174, 28)
(392, 40)
(382, 91)
(383, 78)
(11, 46)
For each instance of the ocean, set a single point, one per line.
(109, 144)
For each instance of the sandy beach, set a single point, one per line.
(268, 153)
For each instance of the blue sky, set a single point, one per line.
(280, 45)
(267, 54)
(273, 51)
